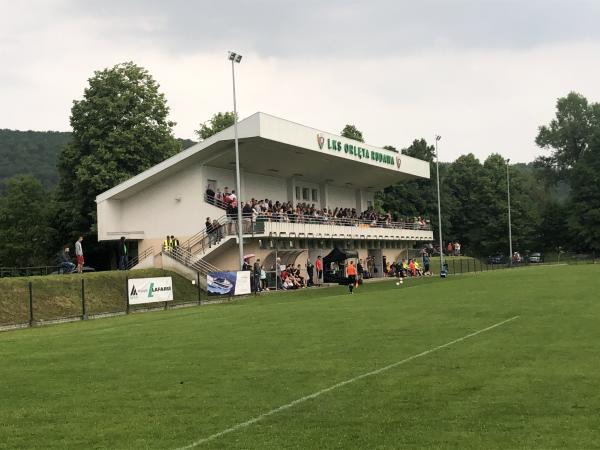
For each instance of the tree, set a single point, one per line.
(218, 122)
(120, 128)
(569, 134)
(351, 132)
(411, 198)
(24, 230)
(585, 200)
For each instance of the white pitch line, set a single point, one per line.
(338, 385)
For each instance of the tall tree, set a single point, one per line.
(585, 200)
(120, 128)
(569, 134)
(351, 132)
(24, 230)
(218, 122)
(416, 197)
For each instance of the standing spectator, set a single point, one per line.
(310, 270)
(426, 264)
(360, 271)
(210, 195)
(246, 266)
(219, 195)
(174, 243)
(216, 229)
(256, 270)
(319, 267)
(457, 248)
(123, 254)
(65, 260)
(79, 254)
(209, 231)
(167, 244)
(449, 249)
(263, 278)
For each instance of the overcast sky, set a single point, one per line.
(483, 74)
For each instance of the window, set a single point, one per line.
(297, 193)
(305, 193)
(315, 195)
(369, 204)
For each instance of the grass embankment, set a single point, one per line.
(59, 296)
(168, 379)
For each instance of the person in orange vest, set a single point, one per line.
(351, 273)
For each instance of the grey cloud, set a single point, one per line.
(361, 28)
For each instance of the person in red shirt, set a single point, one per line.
(351, 273)
(319, 267)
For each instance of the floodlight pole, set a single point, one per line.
(437, 166)
(236, 58)
(510, 249)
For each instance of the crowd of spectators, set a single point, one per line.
(411, 267)
(276, 211)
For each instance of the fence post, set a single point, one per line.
(83, 312)
(198, 286)
(30, 304)
(127, 294)
(453, 267)
(461, 266)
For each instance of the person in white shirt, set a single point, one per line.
(79, 254)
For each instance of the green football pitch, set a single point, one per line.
(504, 359)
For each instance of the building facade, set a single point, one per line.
(280, 161)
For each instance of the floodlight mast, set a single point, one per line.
(510, 249)
(437, 166)
(236, 58)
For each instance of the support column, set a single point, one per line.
(323, 195)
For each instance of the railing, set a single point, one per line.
(191, 260)
(325, 220)
(28, 271)
(215, 202)
(141, 257)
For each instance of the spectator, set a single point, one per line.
(123, 254)
(65, 260)
(319, 267)
(210, 195)
(310, 269)
(256, 278)
(174, 243)
(79, 254)
(209, 231)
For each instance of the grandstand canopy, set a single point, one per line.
(277, 147)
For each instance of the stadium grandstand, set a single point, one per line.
(304, 194)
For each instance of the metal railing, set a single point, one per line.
(193, 261)
(28, 271)
(141, 257)
(326, 220)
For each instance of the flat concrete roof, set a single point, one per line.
(277, 147)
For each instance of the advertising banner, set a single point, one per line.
(228, 283)
(150, 290)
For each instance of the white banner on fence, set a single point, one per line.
(150, 290)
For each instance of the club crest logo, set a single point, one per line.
(398, 162)
(320, 141)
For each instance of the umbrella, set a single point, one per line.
(249, 255)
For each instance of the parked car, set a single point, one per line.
(536, 258)
(496, 259)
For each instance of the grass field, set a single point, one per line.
(171, 379)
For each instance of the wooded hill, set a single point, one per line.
(36, 153)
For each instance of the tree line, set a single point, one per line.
(121, 128)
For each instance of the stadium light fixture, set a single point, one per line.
(236, 58)
(437, 166)
(510, 249)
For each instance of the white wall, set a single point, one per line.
(157, 212)
(338, 197)
(260, 187)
